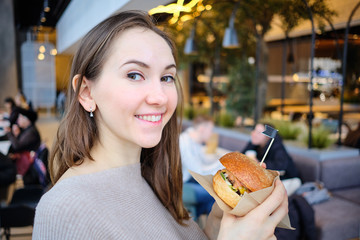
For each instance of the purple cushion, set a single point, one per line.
(337, 219)
(341, 173)
(350, 194)
(308, 167)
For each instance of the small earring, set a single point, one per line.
(91, 112)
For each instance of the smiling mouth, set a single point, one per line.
(149, 118)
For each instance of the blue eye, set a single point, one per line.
(168, 79)
(135, 76)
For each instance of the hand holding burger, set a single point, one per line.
(241, 174)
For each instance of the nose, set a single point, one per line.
(156, 94)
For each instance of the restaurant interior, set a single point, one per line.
(292, 65)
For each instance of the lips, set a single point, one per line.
(150, 118)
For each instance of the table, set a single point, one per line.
(3, 125)
(4, 147)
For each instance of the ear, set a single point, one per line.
(84, 95)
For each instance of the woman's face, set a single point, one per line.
(135, 94)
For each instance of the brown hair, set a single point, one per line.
(77, 133)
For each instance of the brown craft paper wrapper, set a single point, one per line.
(248, 202)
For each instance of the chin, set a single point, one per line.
(150, 143)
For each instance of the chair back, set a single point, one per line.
(16, 216)
(21, 210)
(38, 172)
(28, 196)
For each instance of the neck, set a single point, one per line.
(110, 152)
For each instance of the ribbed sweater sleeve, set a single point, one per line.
(111, 204)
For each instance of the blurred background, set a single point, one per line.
(294, 63)
(238, 61)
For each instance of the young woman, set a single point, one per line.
(116, 164)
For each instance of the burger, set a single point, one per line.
(241, 175)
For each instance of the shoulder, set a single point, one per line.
(61, 208)
(57, 200)
(31, 130)
(34, 129)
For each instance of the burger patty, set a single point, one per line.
(236, 185)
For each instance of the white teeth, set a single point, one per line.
(150, 118)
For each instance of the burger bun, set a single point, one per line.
(224, 192)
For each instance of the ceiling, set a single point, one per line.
(27, 13)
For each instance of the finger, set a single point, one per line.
(216, 211)
(228, 218)
(280, 212)
(275, 199)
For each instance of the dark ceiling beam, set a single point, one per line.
(27, 12)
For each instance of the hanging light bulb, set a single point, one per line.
(42, 17)
(46, 6)
(41, 56)
(42, 49)
(230, 39)
(190, 44)
(53, 51)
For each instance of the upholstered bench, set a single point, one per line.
(339, 217)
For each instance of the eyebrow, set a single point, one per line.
(142, 64)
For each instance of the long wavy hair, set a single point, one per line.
(77, 133)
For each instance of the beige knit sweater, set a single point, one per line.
(112, 204)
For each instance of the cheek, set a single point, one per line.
(255, 138)
(110, 107)
(264, 139)
(111, 97)
(172, 100)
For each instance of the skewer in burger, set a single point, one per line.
(241, 174)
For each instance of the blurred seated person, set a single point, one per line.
(20, 100)
(24, 138)
(11, 110)
(277, 157)
(194, 158)
(353, 138)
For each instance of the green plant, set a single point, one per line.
(225, 119)
(189, 112)
(320, 138)
(201, 111)
(240, 90)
